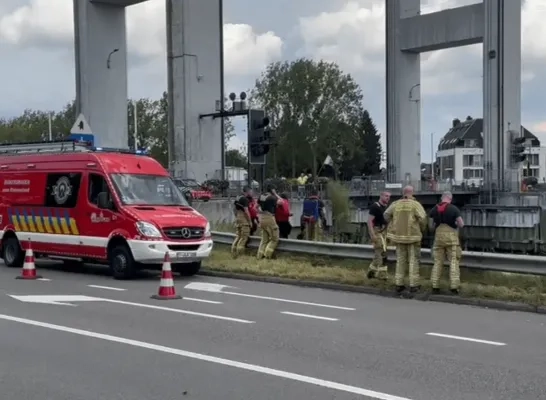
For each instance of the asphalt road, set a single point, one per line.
(238, 340)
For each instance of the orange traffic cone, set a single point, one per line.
(29, 267)
(166, 284)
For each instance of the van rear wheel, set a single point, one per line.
(122, 263)
(13, 254)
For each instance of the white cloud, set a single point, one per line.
(354, 37)
(534, 29)
(246, 52)
(50, 23)
(236, 143)
(49, 20)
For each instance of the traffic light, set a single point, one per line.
(258, 136)
(518, 149)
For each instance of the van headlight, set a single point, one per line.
(148, 230)
(207, 229)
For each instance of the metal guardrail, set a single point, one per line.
(518, 264)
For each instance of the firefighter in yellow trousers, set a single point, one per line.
(408, 220)
(377, 230)
(270, 230)
(447, 221)
(242, 222)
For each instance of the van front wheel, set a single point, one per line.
(122, 263)
(13, 255)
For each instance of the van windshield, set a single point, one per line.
(152, 190)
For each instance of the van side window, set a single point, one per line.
(62, 189)
(97, 184)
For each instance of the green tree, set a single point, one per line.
(371, 140)
(235, 158)
(365, 158)
(315, 109)
(33, 125)
(151, 121)
(229, 129)
(152, 126)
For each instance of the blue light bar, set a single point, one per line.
(140, 152)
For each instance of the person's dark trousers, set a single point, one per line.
(284, 229)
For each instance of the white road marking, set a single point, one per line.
(66, 300)
(289, 301)
(107, 288)
(44, 279)
(202, 300)
(207, 287)
(216, 288)
(308, 316)
(466, 339)
(177, 310)
(204, 357)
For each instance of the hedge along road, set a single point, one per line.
(304, 342)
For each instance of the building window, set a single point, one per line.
(446, 166)
(472, 143)
(473, 160)
(469, 173)
(533, 159)
(527, 172)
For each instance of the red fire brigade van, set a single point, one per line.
(82, 204)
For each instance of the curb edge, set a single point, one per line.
(468, 301)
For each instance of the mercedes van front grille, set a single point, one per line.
(184, 233)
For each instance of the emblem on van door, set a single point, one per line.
(62, 190)
(185, 232)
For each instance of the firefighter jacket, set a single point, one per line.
(407, 221)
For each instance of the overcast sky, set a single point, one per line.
(37, 56)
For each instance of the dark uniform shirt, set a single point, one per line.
(268, 203)
(241, 203)
(377, 211)
(445, 213)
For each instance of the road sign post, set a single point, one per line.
(81, 131)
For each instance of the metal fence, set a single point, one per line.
(373, 186)
(357, 187)
(519, 264)
(294, 192)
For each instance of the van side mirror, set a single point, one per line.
(103, 201)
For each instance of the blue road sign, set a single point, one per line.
(81, 137)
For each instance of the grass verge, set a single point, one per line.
(475, 284)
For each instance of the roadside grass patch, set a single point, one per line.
(526, 289)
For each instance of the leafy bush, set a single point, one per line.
(341, 206)
(281, 185)
(322, 180)
(293, 181)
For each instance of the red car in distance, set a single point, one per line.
(198, 191)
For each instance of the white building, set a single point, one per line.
(460, 154)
